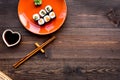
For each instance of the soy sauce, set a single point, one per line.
(11, 38)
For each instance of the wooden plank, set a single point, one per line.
(90, 67)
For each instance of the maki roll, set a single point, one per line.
(41, 22)
(52, 15)
(47, 18)
(36, 17)
(48, 8)
(42, 13)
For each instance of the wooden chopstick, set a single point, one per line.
(21, 61)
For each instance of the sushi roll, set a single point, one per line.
(52, 15)
(47, 18)
(36, 17)
(48, 8)
(42, 13)
(41, 22)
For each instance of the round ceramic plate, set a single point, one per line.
(26, 9)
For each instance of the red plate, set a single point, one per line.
(26, 9)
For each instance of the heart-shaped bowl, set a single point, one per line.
(11, 38)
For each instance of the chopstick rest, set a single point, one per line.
(37, 45)
(41, 50)
(11, 38)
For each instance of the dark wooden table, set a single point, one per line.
(87, 46)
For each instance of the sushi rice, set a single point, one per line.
(41, 22)
(47, 18)
(48, 8)
(42, 13)
(36, 17)
(52, 15)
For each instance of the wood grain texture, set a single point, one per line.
(87, 45)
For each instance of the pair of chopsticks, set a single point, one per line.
(21, 61)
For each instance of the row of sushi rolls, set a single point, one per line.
(44, 15)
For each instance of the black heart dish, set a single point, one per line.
(11, 38)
